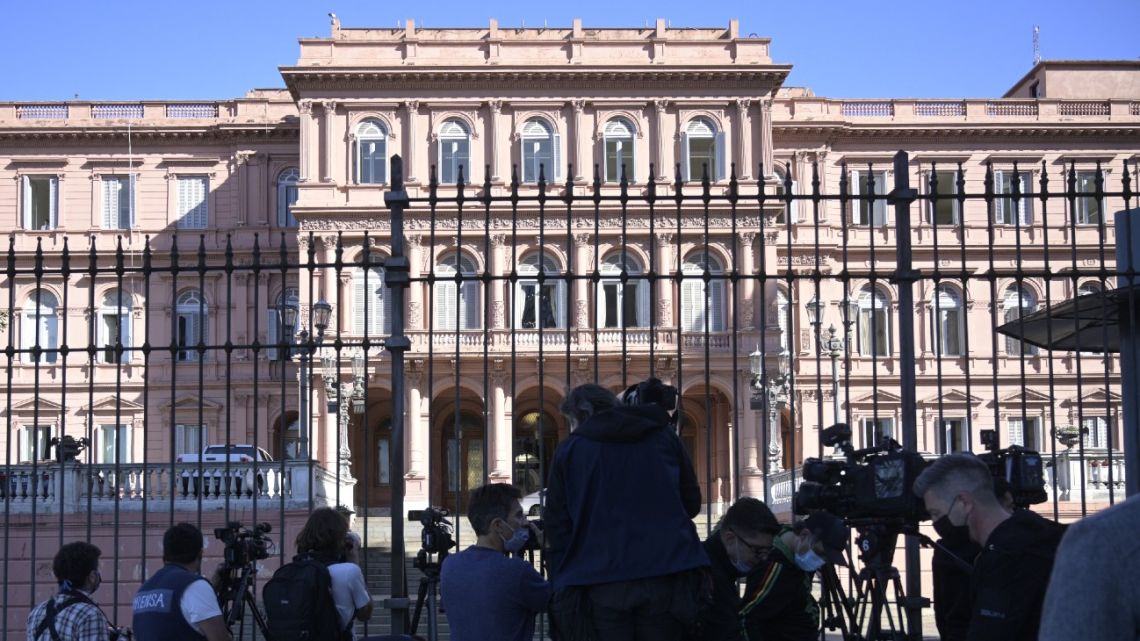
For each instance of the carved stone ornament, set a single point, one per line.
(660, 106)
(664, 313)
(415, 314)
(578, 105)
(346, 224)
(305, 107)
(581, 318)
(496, 106)
(498, 313)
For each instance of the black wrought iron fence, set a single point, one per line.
(394, 361)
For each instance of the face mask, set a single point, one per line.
(809, 561)
(98, 582)
(951, 511)
(741, 566)
(517, 541)
(948, 530)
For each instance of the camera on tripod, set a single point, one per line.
(244, 545)
(1022, 469)
(871, 485)
(435, 537)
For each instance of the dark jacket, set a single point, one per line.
(620, 501)
(157, 608)
(1010, 577)
(778, 603)
(952, 606)
(720, 621)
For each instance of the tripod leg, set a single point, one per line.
(420, 597)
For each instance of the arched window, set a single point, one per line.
(779, 190)
(1018, 302)
(946, 330)
(702, 303)
(39, 325)
(454, 151)
(702, 145)
(371, 302)
(1088, 288)
(456, 301)
(540, 304)
(874, 322)
(190, 324)
(540, 149)
(619, 150)
(622, 304)
(287, 197)
(371, 153)
(276, 334)
(115, 326)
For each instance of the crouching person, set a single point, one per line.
(487, 592)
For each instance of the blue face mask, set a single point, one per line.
(517, 541)
(809, 561)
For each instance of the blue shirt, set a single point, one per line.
(489, 596)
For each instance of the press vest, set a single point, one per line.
(157, 607)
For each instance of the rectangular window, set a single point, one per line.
(1005, 206)
(1025, 432)
(384, 462)
(41, 202)
(702, 154)
(538, 155)
(944, 207)
(619, 155)
(1095, 432)
(193, 202)
(188, 439)
(875, 429)
(955, 435)
(866, 212)
(34, 444)
(538, 308)
(118, 201)
(873, 336)
(1088, 207)
(188, 334)
(113, 330)
(946, 330)
(114, 444)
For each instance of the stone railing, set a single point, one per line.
(116, 112)
(1095, 472)
(876, 109)
(504, 340)
(271, 109)
(781, 488)
(940, 108)
(971, 109)
(74, 487)
(42, 112)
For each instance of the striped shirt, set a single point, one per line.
(80, 621)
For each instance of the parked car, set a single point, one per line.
(235, 453)
(240, 476)
(532, 503)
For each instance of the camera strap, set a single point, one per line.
(53, 610)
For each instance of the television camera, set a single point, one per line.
(436, 541)
(652, 391)
(1022, 469)
(234, 582)
(244, 545)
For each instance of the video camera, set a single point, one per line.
(1022, 469)
(244, 545)
(435, 537)
(653, 392)
(870, 486)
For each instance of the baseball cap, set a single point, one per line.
(830, 531)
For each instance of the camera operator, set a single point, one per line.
(740, 544)
(778, 602)
(70, 614)
(177, 604)
(1010, 574)
(623, 555)
(326, 538)
(488, 592)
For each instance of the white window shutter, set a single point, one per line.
(23, 451)
(1016, 432)
(359, 301)
(444, 304)
(721, 154)
(132, 201)
(385, 309)
(27, 201)
(685, 161)
(50, 336)
(556, 157)
(691, 303)
(717, 306)
(856, 204)
(631, 167)
(53, 206)
(999, 204)
(560, 303)
(1026, 209)
(110, 203)
(125, 333)
(27, 335)
(643, 311)
(439, 160)
(273, 317)
(470, 302)
(600, 303)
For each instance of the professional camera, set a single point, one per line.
(533, 542)
(119, 633)
(1022, 469)
(653, 392)
(244, 545)
(435, 537)
(871, 485)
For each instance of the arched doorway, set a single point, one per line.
(370, 441)
(535, 437)
(286, 436)
(711, 453)
(461, 454)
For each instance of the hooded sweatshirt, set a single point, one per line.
(620, 502)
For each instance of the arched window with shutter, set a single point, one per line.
(702, 144)
(874, 322)
(617, 137)
(39, 325)
(371, 153)
(371, 303)
(115, 326)
(190, 324)
(540, 150)
(702, 303)
(287, 196)
(454, 152)
(1017, 302)
(540, 303)
(622, 304)
(456, 303)
(946, 321)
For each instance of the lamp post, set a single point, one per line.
(306, 345)
(832, 346)
(770, 392)
(340, 396)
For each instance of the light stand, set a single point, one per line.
(306, 345)
(832, 346)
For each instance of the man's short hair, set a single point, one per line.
(490, 502)
(586, 400)
(75, 561)
(954, 474)
(182, 543)
(323, 535)
(749, 516)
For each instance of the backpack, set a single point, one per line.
(299, 603)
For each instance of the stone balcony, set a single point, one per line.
(959, 111)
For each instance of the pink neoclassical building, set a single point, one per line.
(548, 295)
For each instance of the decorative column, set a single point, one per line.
(749, 439)
(576, 143)
(309, 158)
(498, 287)
(344, 452)
(660, 165)
(328, 282)
(743, 140)
(747, 298)
(500, 445)
(411, 143)
(766, 156)
(665, 284)
(414, 246)
(583, 265)
(495, 107)
(417, 441)
(329, 107)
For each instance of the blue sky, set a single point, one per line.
(155, 49)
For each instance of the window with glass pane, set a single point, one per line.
(1018, 302)
(371, 302)
(39, 326)
(876, 429)
(114, 329)
(946, 317)
(874, 323)
(41, 202)
(873, 212)
(453, 301)
(537, 150)
(618, 141)
(702, 150)
(622, 305)
(114, 444)
(944, 208)
(118, 201)
(539, 305)
(955, 436)
(371, 153)
(1095, 431)
(454, 152)
(383, 462)
(1006, 206)
(188, 439)
(190, 325)
(1025, 431)
(1088, 207)
(287, 197)
(779, 191)
(702, 303)
(193, 204)
(34, 444)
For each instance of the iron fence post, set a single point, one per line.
(901, 197)
(396, 271)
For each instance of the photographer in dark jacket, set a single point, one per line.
(740, 544)
(622, 546)
(1010, 575)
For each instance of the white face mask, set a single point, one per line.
(809, 561)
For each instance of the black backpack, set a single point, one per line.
(299, 603)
